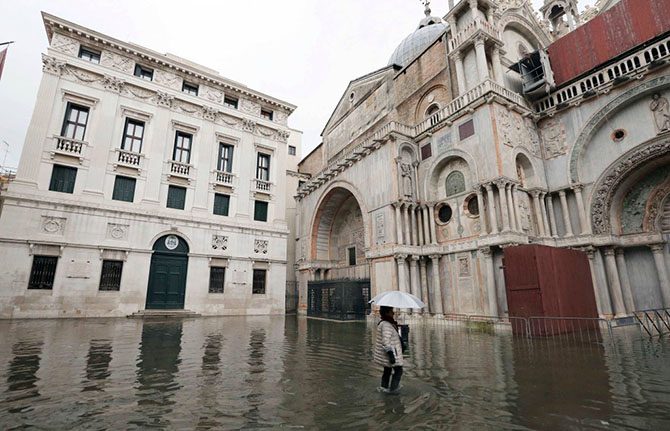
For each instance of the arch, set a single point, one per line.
(524, 26)
(436, 166)
(165, 233)
(432, 110)
(525, 171)
(166, 287)
(407, 152)
(426, 100)
(610, 181)
(455, 183)
(600, 117)
(333, 199)
(663, 222)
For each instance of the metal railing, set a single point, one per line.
(179, 169)
(69, 146)
(620, 71)
(654, 322)
(129, 158)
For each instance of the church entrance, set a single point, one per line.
(167, 276)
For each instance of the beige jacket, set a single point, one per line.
(387, 337)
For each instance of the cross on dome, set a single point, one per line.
(426, 4)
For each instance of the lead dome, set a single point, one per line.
(429, 29)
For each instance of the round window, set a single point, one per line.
(472, 205)
(444, 213)
(618, 135)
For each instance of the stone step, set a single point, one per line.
(163, 314)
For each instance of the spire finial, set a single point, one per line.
(427, 10)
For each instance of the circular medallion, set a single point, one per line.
(171, 242)
(52, 226)
(117, 232)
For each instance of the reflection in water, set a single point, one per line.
(22, 375)
(276, 372)
(97, 365)
(157, 366)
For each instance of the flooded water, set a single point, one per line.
(276, 372)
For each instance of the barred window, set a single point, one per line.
(43, 272)
(110, 278)
(217, 277)
(259, 282)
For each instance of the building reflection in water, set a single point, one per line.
(157, 366)
(22, 374)
(97, 365)
(211, 387)
(255, 378)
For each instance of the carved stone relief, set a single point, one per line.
(65, 44)
(281, 117)
(464, 266)
(248, 125)
(661, 109)
(406, 175)
(554, 138)
(247, 105)
(164, 99)
(117, 231)
(209, 113)
(112, 83)
(380, 228)
(219, 242)
(211, 94)
(51, 65)
(85, 76)
(53, 225)
(116, 61)
(636, 200)
(167, 79)
(261, 246)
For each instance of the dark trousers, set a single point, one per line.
(395, 381)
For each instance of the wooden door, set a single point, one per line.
(167, 282)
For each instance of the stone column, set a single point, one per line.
(490, 280)
(504, 212)
(414, 281)
(405, 217)
(659, 260)
(482, 67)
(482, 211)
(601, 293)
(419, 223)
(566, 214)
(412, 226)
(584, 227)
(460, 73)
(402, 274)
(398, 223)
(538, 213)
(510, 207)
(552, 216)
(628, 300)
(426, 226)
(614, 283)
(517, 198)
(436, 305)
(424, 284)
(431, 223)
(498, 74)
(545, 221)
(492, 208)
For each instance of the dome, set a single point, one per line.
(414, 44)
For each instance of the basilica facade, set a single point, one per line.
(486, 131)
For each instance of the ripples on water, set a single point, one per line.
(268, 372)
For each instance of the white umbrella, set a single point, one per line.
(398, 299)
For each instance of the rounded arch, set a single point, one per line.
(600, 117)
(525, 169)
(435, 95)
(157, 237)
(609, 184)
(431, 181)
(525, 27)
(407, 152)
(339, 195)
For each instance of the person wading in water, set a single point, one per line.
(388, 350)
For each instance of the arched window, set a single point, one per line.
(455, 183)
(432, 110)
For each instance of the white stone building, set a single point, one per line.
(466, 143)
(146, 182)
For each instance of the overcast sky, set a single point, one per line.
(302, 51)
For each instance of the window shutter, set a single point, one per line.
(63, 179)
(176, 197)
(124, 189)
(221, 204)
(261, 211)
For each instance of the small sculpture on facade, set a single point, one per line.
(661, 109)
(406, 174)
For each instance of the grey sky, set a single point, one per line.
(302, 51)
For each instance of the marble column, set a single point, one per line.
(402, 273)
(498, 74)
(419, 222)
(490, 280)
(538, 213)
(614, 283)
(552, 216)
(566, 214)
(398, 223)
(510, 206)
(504, 212)
(482, 211)
(602, 295)
(414, 279)
(584, 227)
(545, 220)
(517, 198)
(424, 284)
(436, 298)
(628, 300)
(482, 67)
(492, 208)
(431, 223)
(661, 268)
(412, 226)
(405, 218)
(426, 226)
(460, 73)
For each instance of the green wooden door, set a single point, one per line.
(167, 282)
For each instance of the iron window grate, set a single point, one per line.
(110, 278)
(43, 272)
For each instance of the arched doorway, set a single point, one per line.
(167, 276)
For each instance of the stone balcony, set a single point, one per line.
(261, 186)
(69, 147)
(179, 170)
(128, 159)
(469, 32)
(223, 179)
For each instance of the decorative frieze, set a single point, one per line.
(219, 242)
(164, 99)
(167, 79)
(112, 83)
(117, 231)
(116, 61)
(261, 246)
(64, 44)
(554, 138)
(53, 225)
(380, 227)
(52, 66)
